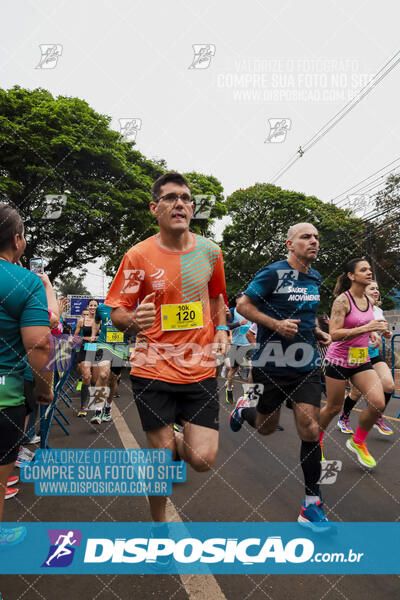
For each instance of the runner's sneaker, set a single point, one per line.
(11, 492)
(229, 396)
(11, 537)
(363, 455)
(164, 562)
(178, 428)
(313, 516)
(25, 455)
(381, 426)
(96, 419)
(344, 425)
(235, 419)
(23, 459)
(27, 451)
(12, 480)
(82, 412)
(106, 416)
(34, 440)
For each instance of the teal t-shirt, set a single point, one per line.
(23, 303)
(108, 333)
(28, 375)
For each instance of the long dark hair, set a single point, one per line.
(10, 224)
(91, 300)
(343, 281)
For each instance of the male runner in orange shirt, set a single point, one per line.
(178, 279)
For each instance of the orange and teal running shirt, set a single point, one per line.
(178, 347)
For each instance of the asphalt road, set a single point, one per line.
(255, 479)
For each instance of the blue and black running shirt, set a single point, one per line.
(281, 292)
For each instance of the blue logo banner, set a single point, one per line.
(201, 548)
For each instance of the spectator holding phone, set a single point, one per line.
(24, 332)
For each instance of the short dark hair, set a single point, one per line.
(10, 224)
(171, 177)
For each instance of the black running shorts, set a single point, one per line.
(84, 355)
(376, 359)
(161, 403)
(12, 420)
(342, 373)
(29, 393)
(300, 387)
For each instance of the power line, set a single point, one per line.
(377, 78)
(365, 192)
(356, 185)
(370, 214)
(342, 205)
(352, 103)
(378, 214)
(385, 225)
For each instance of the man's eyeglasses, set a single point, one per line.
(172, 198)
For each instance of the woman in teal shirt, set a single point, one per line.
(24, 333)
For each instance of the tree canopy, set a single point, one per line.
(385, 239)
(261, 216)
(62, 146)
(71, 285)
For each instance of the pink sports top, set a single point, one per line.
(354, 352)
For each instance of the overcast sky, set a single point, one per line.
(300, 61)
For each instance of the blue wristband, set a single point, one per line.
(222, 328)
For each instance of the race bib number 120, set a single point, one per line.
(175, 317)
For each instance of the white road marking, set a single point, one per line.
(197, 587)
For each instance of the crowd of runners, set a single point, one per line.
(168, 301)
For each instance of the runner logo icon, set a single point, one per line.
(133, 279)
(287, 277)
(50, 53)
(203, 54)
(278, 129)
(63, 543)
(129, 128)
(329, 471)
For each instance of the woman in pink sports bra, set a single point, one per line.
(351, 324)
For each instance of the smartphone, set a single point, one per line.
(36, 265)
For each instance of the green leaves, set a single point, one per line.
(261, 216)
(50, 145)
